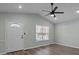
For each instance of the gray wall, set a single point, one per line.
(30, 21)
(30, 28)
(2, 34)
(67, 33)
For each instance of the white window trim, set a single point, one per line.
(42, 31)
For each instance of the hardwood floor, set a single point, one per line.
(52, 49)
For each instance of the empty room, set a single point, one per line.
(39, 28)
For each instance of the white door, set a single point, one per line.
(14, 35)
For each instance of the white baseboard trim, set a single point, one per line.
(68, 45)
(42, 45)
(27, 48)
(38, 46)
(3, 53)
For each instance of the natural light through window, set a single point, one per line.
(15, 25)
(42, 33)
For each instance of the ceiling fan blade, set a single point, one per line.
(58, 12)
(55, 8)
(47, 14)
(45, 10)
(51, 6)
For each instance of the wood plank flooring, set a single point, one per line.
(52, 49)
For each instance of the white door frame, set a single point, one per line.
(6, 39)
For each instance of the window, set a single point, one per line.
(42, 33)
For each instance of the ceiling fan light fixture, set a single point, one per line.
(52, 15)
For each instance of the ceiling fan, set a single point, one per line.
(53, 11)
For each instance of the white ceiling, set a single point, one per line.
(68, 8)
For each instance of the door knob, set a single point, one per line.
(22, 36)
(24, 33)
